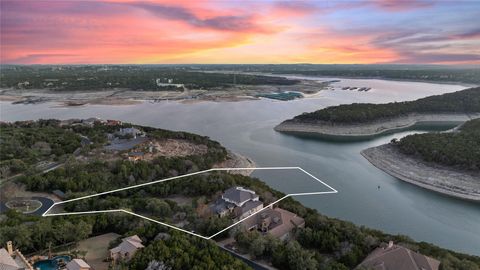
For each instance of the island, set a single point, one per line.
(446, 162)
(59, 160)
(365, 120)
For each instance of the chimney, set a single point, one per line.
(10, 248)
(390, 244)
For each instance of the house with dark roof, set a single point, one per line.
(238, 202)
(247, 209)
(399, 258)
(239, 196)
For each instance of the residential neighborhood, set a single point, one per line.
(122, 196)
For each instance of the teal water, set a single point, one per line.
(247, 128)
(52, 264)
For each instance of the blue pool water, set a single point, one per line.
(52, 264)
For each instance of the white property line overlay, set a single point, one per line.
(332, 190)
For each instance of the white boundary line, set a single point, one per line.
(332, 190)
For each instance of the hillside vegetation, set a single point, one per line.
(460, 149)
(437, 73)
(324, 243)
(27, 143)
(134, 77)
(464, 101)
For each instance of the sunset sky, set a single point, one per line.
(176, 31)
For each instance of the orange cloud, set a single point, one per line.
(130, 31)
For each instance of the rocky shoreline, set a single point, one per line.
(235, 160)
(438, 178)
(366, 130)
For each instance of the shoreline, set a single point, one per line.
(372, 129)
(117, 96)
(314, 77)
(439, 178)
(235, 160)
(465, 84)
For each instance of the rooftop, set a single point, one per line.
(239, 195)
(248, 206)
(399, 258)
(128, 244)
(77, 264)
(6, 261)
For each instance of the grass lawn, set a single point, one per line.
(97, 250)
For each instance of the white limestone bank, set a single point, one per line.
(374, 128)
(235, 160)
(457, 183)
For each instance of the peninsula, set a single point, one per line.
(365, 120)
(447, 162)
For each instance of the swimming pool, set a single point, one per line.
(52, 264)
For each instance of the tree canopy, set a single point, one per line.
(464, 101)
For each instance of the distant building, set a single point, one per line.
(398, 258)
(113, 123)
(134, 156)
(78, 264)
(169, 83)
(13, 259)
(125, 251)
(133, 132)
(277, 222)
(90, 122)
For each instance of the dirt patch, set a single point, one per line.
(173, 148)
(11, 190)
(97, 250)
(180, 200)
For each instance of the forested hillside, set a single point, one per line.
(436, 73)
(464, 101)
(134, 77)
(324, 243)
(27, 143)
(460, 149)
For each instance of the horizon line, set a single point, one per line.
(238, 64)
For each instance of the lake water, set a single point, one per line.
(247, 128)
